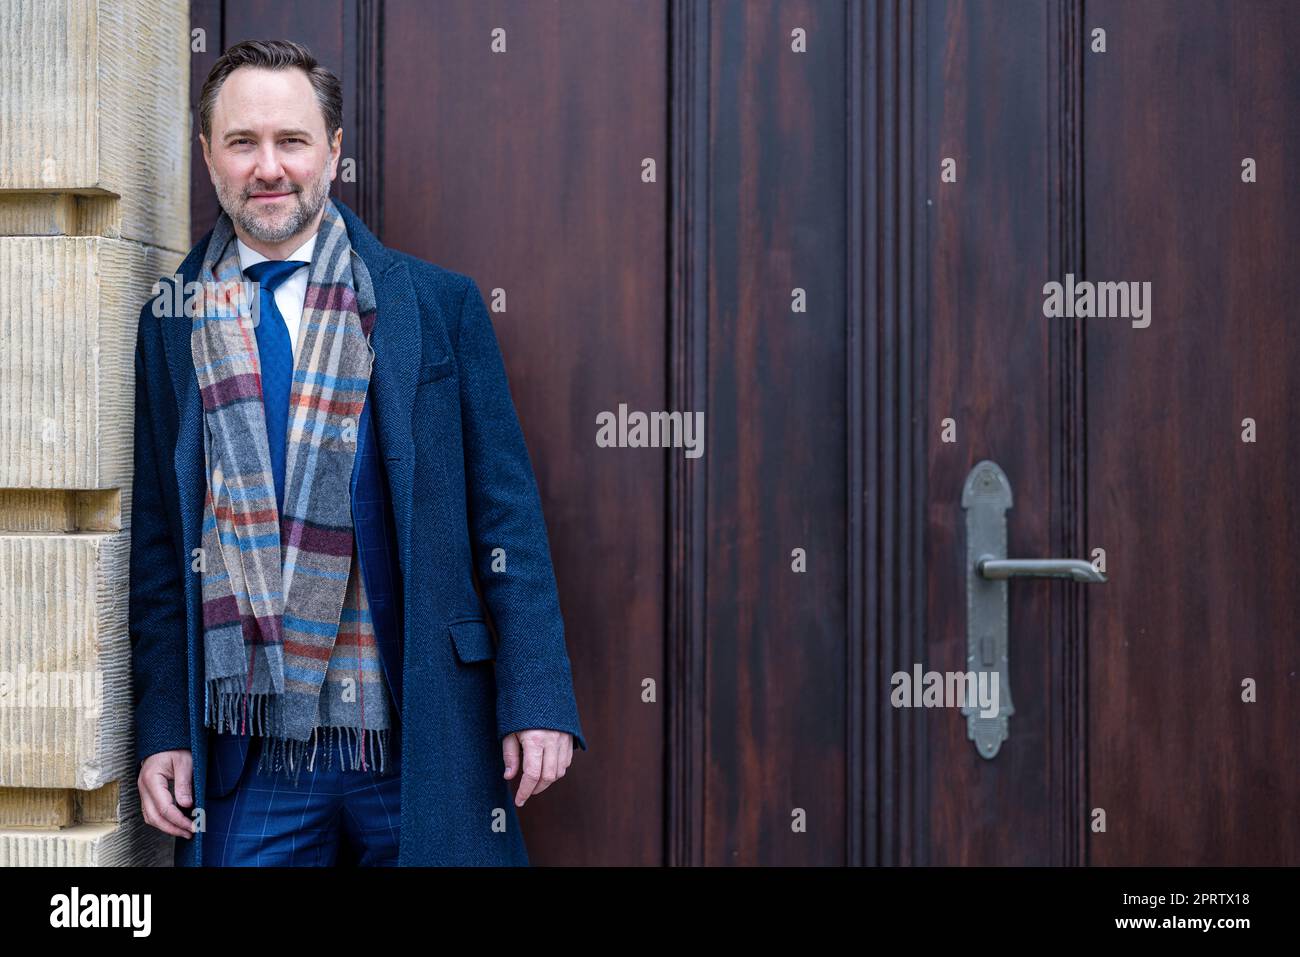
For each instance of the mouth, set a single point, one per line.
(268, 197)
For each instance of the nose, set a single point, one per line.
(268, 168)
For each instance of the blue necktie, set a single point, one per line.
(275, 352)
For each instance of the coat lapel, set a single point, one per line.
(396, 341)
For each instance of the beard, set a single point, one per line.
(293, 213)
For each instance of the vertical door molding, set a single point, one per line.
(1066, 342)
(362, 91)
(888, 426)
(688, 229)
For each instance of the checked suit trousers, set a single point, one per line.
(329, 817)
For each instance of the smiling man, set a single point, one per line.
(331, 496)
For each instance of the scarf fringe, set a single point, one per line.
(290, 757)
(247, 713)
(237, 712)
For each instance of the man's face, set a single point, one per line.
(269, 157)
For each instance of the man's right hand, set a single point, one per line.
(156, 802)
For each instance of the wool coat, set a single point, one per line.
(466, 511)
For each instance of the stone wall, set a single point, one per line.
(95, 140)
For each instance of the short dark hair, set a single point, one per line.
(273, 55)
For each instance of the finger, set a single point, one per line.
(146, 799)
(183, 782)
(532, 772)
(166, 808)
(568, 753)
(172, 820)
(510, 754)
(550, 766)
(156, 821)
(183, 789)
(149, 783)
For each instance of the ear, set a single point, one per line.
(207, 152)
(336, 153)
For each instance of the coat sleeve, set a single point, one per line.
(156, 619)
(533, 676)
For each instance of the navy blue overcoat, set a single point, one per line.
(461, 486)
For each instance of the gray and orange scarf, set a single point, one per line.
(289, 649)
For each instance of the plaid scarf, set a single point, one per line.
(289, 649)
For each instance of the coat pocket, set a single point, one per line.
(433, 371)
(472, 640)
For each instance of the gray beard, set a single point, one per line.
(307, 205)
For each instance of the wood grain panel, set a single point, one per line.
(523, 170)
(1199, 527)
(777, 469)
(989, 370)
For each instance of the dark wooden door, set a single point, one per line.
(1131, 696)
(739, 208)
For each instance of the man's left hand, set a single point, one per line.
(546, 756)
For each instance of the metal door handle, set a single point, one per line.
(986, 497)
(1076, 569)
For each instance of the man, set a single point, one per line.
(322, 470)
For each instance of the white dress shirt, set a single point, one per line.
(291, 294)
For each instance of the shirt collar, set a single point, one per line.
(248, 256)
